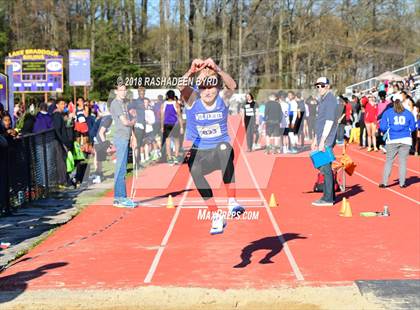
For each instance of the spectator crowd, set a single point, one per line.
(284, 122)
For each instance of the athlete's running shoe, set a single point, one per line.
(218, 224)
(235, 209)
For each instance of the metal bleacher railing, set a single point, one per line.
(30, 169)
(368, 84)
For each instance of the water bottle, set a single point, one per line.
(386, 211)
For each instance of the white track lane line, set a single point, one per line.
(197, 206)
(387, 188)
(383, 160)
(276, 227)
(165, 239)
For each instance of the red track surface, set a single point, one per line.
(106, 247)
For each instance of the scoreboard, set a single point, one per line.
(36, 71)
(33, 66)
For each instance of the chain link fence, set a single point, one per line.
(29, 169)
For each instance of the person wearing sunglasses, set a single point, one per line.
(325, 133)
(207, 127)
(122, 135)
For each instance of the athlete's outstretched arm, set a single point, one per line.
(186, 90)
(227, 79)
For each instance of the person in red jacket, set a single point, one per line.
(371, 119)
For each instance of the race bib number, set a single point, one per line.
(211, 131)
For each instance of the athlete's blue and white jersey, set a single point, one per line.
(207, 125)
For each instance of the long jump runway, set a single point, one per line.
(290, 245)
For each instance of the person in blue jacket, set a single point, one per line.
(397, 123)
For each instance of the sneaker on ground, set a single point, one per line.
(322, 203)
(175, 160)
(218, 224)
(63, 186)
(124, 203)
(4, 245)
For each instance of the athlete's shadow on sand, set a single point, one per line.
(274, 244)
(14, 285)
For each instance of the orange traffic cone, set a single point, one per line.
(273, 202)
(347, 212)
(170, 203)
(343, 206)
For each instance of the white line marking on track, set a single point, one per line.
(383, 160)
(225, 199)
(165, 239)
(276, 227)
(184, 206)
(149, 201)
(387, 188)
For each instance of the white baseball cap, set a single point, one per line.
(322, 80)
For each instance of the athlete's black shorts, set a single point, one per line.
(204, 161)
(272, 129)
(171, 130)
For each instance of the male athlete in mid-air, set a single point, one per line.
(207, 116)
